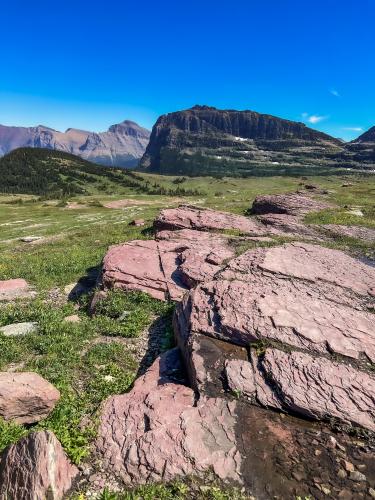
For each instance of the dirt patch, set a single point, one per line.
(127, 202)
(73, 205)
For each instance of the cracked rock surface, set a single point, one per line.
(191, 217)
(168, 266)
(155, 432)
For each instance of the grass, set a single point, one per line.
(68, 356)
(175, 490)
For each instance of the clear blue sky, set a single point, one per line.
(88, 64)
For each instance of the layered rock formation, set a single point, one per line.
(286, 328)
(208, 141)
(205, 140)
(121, 145)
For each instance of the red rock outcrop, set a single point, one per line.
(36, 468)
(26, 397)
(356, 232)
(261, 327)
(297, 204)
(204, 219)
(314, 387)
(165, 268)
(156, 433)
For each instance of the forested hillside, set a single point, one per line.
(55, 174)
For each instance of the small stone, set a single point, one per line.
(74, 318)
(137, 222)
(345, 495)
(325, 490)
(357, 476)
(318, 453)
(18, 329)
(331, 442)
(30, 239)
(340, 446)
(371, 492)
(341, 474)
(348, 466)
(361, 467)
(298, 476)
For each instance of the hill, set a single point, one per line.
(206, 140)
(122, 145)
(55, 174)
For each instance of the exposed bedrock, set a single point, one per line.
(167, 267)
(205, 219)
(157, 433)
(287, 328)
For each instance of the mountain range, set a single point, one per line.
(122, 145)
(206, 140)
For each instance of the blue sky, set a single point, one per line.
(89, 64)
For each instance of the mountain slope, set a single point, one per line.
(122, 145)
(205, 140)
(45, 172)
(362, 149)
(368, 136)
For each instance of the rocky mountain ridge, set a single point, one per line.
(206, 140)
(121, 145)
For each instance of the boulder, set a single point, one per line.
(36, 467)
(297, 204)
(19, 329)
(205, 219)
(15, 289)
(26, 397)
(167, 267)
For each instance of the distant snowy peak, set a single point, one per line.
(122, 145)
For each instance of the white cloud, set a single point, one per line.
(335, 93)
(313, 118)
(353, 129)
